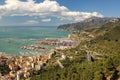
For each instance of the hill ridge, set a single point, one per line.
(90, 22)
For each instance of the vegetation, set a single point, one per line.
(4, 69)
(77, 70)
(105, 43)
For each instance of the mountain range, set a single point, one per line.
(90, 22)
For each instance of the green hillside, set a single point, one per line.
(107, 38)
(103, 44)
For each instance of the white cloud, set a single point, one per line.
(78, 16)
(46, 20)
(46, 8)
(31, 22)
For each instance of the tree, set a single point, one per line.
(99, 76)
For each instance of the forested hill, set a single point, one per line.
(90, 22)
(95, 58)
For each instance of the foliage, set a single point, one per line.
(105, 43)
(4, 69)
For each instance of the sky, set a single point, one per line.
(54, 12)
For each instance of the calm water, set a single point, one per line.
(11, 38)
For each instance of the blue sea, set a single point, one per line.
(11, 38)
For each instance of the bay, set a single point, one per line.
(11, 38)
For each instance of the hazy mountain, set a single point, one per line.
(90, 22)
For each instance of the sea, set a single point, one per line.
(12, 37)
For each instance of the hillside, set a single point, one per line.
(95, 58)
(108, 39)
(90, 22)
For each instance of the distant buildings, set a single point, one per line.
(21, 66)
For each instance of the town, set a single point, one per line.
(22, 66)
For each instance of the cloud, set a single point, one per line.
(47, 8)
(78, 16)
(46, 20)
(31, 22)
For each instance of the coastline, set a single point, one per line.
(11, 38)
(28, 63)
(65, 38)
(34, 45)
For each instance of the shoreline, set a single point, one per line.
(28, 63)
(10, 43)
(34, 45)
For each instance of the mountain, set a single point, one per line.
(90, 22)
(102, 43)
